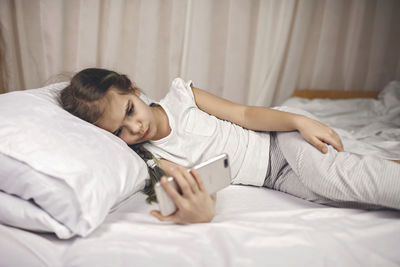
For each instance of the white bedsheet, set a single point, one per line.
(253, 226)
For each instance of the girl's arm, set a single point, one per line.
(266, 119)
(194, 204)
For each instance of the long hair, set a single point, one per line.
(84, 98)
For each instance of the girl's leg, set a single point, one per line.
(281, 177)
(337, 178)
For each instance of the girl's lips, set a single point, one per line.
(146, 133)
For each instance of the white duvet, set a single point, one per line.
(369, 126)
(253, 226)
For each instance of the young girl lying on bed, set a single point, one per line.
(275, 149)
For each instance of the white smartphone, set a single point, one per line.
(215, 173)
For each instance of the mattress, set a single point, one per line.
(253, 226)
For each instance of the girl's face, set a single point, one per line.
(128, 117)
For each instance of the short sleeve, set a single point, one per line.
(181, 86)
(180, 93)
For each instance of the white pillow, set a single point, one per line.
(23, 214)
(68, 168)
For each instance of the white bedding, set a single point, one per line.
(370, 126)
(253, 226)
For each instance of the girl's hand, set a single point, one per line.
(195, 205)
(319, 134)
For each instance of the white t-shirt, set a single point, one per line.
(197, 136)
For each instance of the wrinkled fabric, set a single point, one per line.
(253, 227)
(367, 126)
(341, 179)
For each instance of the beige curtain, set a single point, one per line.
(337, 44)
(255, 52)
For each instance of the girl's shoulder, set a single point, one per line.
(180, 93)
(182, 87)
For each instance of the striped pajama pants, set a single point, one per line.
(340, 179)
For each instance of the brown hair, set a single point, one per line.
(87, 90)
(84, 98)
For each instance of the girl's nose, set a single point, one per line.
(134, 127)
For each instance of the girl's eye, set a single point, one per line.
(130, 110)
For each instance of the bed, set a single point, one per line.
(253, 226)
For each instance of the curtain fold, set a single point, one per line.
(253, 52)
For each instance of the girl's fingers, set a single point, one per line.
(171, 191)
(158, 215)
(323, 148)
(320, 145)
(180, 179)
(338, 145)
(334, 140)
(335, 144)
(189, 179)
(198, 179)
(192, 207)
(341, 147)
